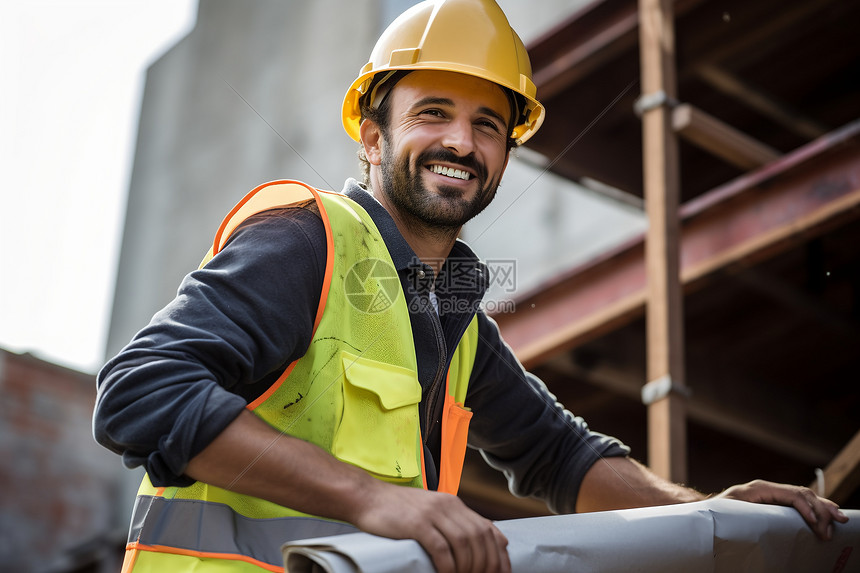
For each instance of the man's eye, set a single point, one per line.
(489, 124)
(433, 112)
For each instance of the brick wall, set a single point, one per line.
(58, 488)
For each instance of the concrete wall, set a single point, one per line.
(252, 94)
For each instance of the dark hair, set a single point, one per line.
(381, 116)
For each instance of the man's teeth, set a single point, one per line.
(451, 172)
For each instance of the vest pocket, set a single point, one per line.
(379, 429)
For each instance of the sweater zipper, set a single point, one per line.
(433, 394)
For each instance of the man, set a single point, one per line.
(318, 365)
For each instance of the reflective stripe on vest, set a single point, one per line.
(330, 395)
(215, 529)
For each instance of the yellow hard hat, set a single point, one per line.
(467, 36)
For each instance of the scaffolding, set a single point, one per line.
(743, 141)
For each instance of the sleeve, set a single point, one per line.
(521, 429)
(233, 324)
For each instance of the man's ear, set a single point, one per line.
(371, 140)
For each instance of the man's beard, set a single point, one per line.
(445, 212)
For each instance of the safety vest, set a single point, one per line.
(355, 393)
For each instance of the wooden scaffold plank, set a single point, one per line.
(720, 139)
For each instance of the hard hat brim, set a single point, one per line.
(352, 101)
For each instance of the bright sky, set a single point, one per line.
(71, 79)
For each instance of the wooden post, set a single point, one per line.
(665, 391)
(842, 475)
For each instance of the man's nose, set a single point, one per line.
(459, 137)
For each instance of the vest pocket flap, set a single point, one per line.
(379, 429)
(395, 386)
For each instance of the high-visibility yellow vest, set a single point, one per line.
(355, 393)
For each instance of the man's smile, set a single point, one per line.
(450, 172)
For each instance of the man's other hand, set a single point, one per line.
(819, 513)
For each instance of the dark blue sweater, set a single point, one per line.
(236, 324)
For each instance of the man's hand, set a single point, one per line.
(619, 483)
(819, 513)
(252, 458)
(455, 537)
